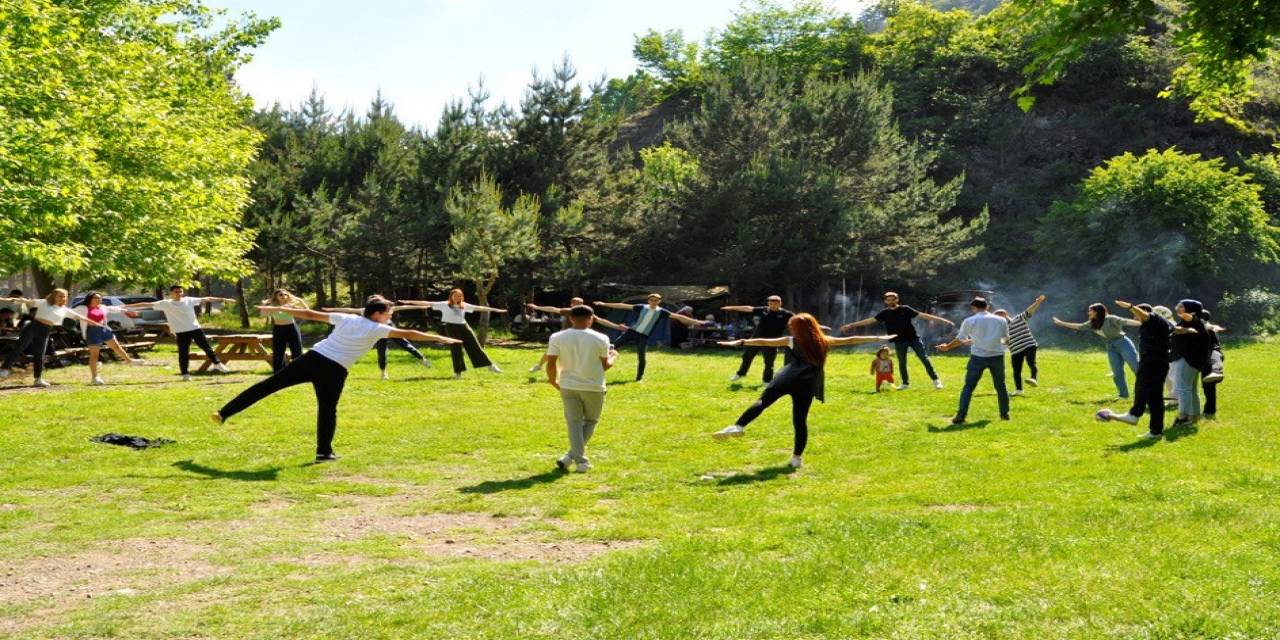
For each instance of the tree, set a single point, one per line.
(487, 235)
(1220, 41)
(129, 163)
(1163, 224)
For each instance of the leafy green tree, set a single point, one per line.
(123, 145)
(1162, 224)
(488, 235)
(807, 37)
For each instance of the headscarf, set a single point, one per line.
(1192, 307)
(1163, 312)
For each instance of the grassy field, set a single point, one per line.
(444, 519)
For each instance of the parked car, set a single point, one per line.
(121, 319)
(954, 306)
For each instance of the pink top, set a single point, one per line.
(96, 314)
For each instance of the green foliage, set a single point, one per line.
(800, 39)
(673, 61)
(123, 147)
(1162, 224)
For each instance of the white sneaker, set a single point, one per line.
(98, 381)
(735, 377)
(457, 375)
(733, 431)
(1016, 392)
(1150, 436)
(221, 368)
(1213, 378)
(40, 382)
(1032, 382)
(564, 461)
(937, 384)
(795, 462)
(534, 369)
(385, 376)
(426, 363)
(494, 368)
(1125, 418)
(186, 377)
(582, 467)
(902, 387)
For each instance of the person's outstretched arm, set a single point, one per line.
(555, 311)
(1138, 314)
(27, 301)
(865, 322)
(740, 308)
(955, 342)
(301, 314)
(611, 324)
(613, 305)
(756, 342)
(420, 336)
(689, 322)
(141, 305)
(848, 340)
(421, 303)
(84, 319)
(932, 318)
(1035, 306)
(1077, 326)
(476, 307)
(343, 310)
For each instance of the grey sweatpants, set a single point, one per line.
(581, 413)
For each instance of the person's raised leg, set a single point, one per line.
(203, 342)
(25, 338)
(408, 346)
(800, 404)
(767, 398)
(119, 350)
(973, 373)
(328, 383)
(917, 345)
(297, 372)
(996, 365)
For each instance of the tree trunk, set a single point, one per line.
(44, 282)
(67, 281)
(318, 274)
(244, 306)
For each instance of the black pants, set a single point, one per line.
(397, 342)
(770, 354)
(184, 348)
(327, 379)
(1027, 355)
(470, 343)
(1211, 389)
(631, 336)
(914, 344)
(1148, 393)
(34, 338)
(285, 336)
(801, 400)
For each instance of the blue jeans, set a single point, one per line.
(1185, 380)
(1121, 352)
(973, 373)
(915, 345)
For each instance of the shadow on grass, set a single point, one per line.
(1095, 403)
(261, 475)
(496, 486)
(768, 473)
(1172, 434)
(963, 426)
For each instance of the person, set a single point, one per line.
(98, 337)
(325, 366)
(1189, 354)
(1120, 349)
(8, 319)
(381, 346)
(16, 307)
(985, 333)
(285, 333)
(47, 313)
(577, 358)
(801, 378)
(882, 368)
(566, 322)
(454, 314)
(180, 313)
(1153, 367)
(1022, 344)
(650, 315)
(772, 323)
(1213, 373)
(897, 320)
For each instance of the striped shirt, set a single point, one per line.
(1020, 338)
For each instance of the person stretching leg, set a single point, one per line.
(180, 313)
(897, 320)
(565, 323)
(649, 316)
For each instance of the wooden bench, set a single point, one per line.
(240, 346)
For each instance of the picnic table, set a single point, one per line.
(237, 346)
(701, 336)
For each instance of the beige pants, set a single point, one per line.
(581, 413)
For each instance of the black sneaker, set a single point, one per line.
(1004, 417)
(326, 457)
(957, 420)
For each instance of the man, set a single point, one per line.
(577, 358)
(180, 313)
(773, 324)
(1153, 368)
(565, 322)
(650, 315)
(896, 319)
(985, 333)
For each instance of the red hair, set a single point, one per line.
(810, 342)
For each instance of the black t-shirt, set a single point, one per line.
(1153, 340)
(1193, 347)
(773, 324)
(897, 321)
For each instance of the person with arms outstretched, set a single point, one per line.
(1120, 349)
(985, 334)
(47, 313)
(1154, 336)
(772, 324)
(180, 312)
(97, 337)
(381, 346)
(897, 320)
(285, 334)
(650, 314)
(566, 322)
(454, 314)
(1022, 344)
(325, 365)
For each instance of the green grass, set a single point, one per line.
(1049, 526)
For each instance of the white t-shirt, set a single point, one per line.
(352, 337)
(578, 353)
(180, 314)
(50, 314)
(453, 315)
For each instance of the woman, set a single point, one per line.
(1189, 355)
(325, 365)
(381, 346)
(98, 337)
(454, 313)
(801, 378)
(285, 333)
(1120, 349)
(48, 313)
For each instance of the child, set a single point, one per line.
(882, 368)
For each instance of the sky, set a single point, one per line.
(423, 53)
